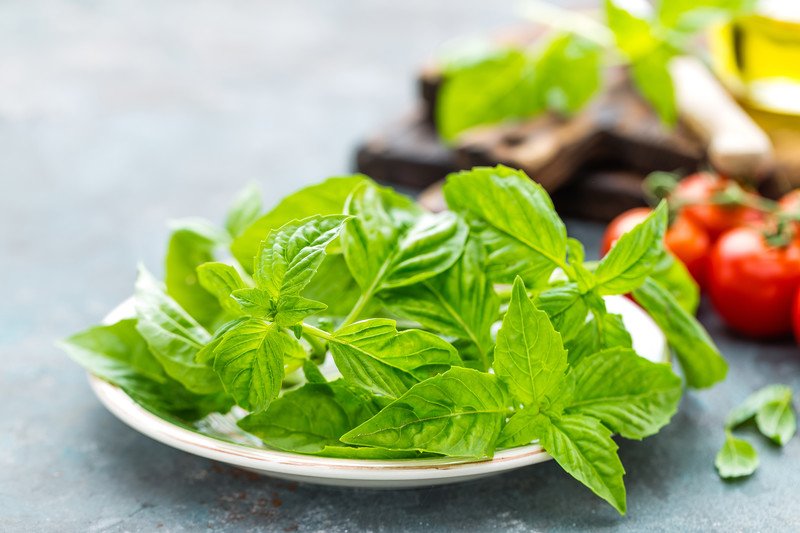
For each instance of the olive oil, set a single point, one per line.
(758, 56)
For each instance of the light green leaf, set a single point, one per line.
(736, 458)
(632, 396)
(777, 421)
(584, 448)
(206, 354)
(675, 278)
(603, 330)
(290, 255)
(565, 307)
(633, 32)
(515, 220)
(255, 302)
(459, 302)
(173, 336)
(335, 286)
(689, 16)
(507, 81)
(245, 210)
(293, 309)
(458, 413)
(751, 405)
(634, 256)
(326, 198)
(374, 355)
(568, 73)
(311, 418)
(191, 244)
(249, 360)
(119, 354)
(702, 364)
(390, 243)
(651, 76)
(220, 280)
(523, 428)
(529, 356)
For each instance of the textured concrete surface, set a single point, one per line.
(117, 115)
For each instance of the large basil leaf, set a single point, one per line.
(459, 302)
(515, 219)
(326, 198)
(699, 357)
(173, 336)
(458, 413)
(221, 280)
(632, 396)
(374, 355)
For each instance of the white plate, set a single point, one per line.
(217, 437)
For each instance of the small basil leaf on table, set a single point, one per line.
(374, 355)
(700, 360)
(458, 413)
(583, 447)
(753, 403)
(191, 244)
(634, 256)
(529, 356)
(220, 280)
(173, 335)
(245, 210)
(776, 420)
(736, 458)
(311, 418)
(250, 362)
(634, 397)
(119, 354)
(517, 222)
(460, 302)
(326, 198)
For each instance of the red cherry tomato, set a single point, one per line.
(685, 239)
(796, 316)
(699, 189)
(752, 285)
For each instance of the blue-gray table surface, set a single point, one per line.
(116, 116)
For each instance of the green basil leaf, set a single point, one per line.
(529, 356)
(736, 458)
(568, 73)
(671, 274)
(206, 354)
(119, 354)
(584, 448)
(565, 307)
(311, 418)
(516, 221)
(458, 413)
(390, 243)
(634, 256)
(507, 82)
(459, 302)
(191, 244)
(776, 421)
(293, 309)
(753, 403)
(255, 302)
(312, 373)
(221, 280)
(250, 362)
(651, 76)
(690, 16)
(245, 211)
(522, 428)
(632, 396)
(335, 286)
(369, 452)
(633, 32)
(374, 355)
(173, 336)
(603, 330)
(290, 255)
(326, 198)
(699, 357)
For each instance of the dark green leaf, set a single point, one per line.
(700, 359)
(458, 413)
